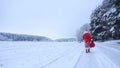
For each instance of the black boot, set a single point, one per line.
(89, 50)
(86, 50)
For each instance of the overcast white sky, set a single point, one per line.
(50, 18)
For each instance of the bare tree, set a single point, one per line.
(80, 31)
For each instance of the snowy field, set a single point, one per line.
(59, 55)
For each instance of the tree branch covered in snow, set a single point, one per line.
(105, 21)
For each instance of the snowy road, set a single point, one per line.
(97, 59)
(59, 55)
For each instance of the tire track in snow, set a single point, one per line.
(87, 60)
(58, 58)
(79, 59)
(95, 59)
(104, 61)
(110, 48)
(112, 53)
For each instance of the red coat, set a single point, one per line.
(87, 39)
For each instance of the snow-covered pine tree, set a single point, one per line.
(105, 21)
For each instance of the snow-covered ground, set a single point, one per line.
(59, 55)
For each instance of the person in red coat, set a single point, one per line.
(87, 39)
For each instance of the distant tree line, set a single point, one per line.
(21, 37)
